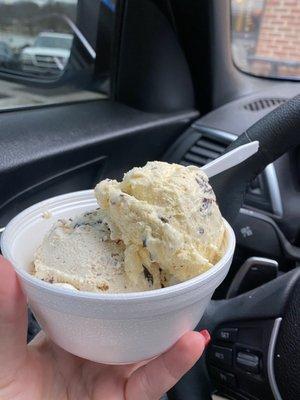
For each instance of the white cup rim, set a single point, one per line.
(185, 286)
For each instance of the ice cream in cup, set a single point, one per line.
(119, 274)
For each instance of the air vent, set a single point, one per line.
(261, 104)
(205, 149)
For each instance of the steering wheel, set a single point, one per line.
(255, 348)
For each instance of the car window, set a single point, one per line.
(266, 37)
(48, 51)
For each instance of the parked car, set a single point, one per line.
(7, 57)
(48, 55)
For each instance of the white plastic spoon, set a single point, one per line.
(230, 159)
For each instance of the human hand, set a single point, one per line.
(43, 371)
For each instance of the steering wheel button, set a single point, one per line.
(223, 377)
(227, 334)
(248, 362)
(221, 355)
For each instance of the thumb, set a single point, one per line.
(158, 376)
(13, 323)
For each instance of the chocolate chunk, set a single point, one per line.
(103, 286)
(87, 214)
(206, 204)
(90, 223)
(164, 220)
(200, 231)
(148, 275)
(144, 242)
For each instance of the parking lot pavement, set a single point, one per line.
(14, 95)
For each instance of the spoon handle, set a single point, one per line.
(230, 159)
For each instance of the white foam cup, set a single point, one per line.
(108, 328)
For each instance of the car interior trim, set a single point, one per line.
(270, 366)
(274, 191)
(230, 137)
(95, 161)
(81, 37)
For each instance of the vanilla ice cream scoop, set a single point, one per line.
(168, 219)
(78, 251)
(79, 254)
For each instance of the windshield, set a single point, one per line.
(54, 42)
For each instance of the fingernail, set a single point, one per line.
(206, 336)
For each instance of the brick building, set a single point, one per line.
(278, 44)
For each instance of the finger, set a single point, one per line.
(13, 322)
(151, 381)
